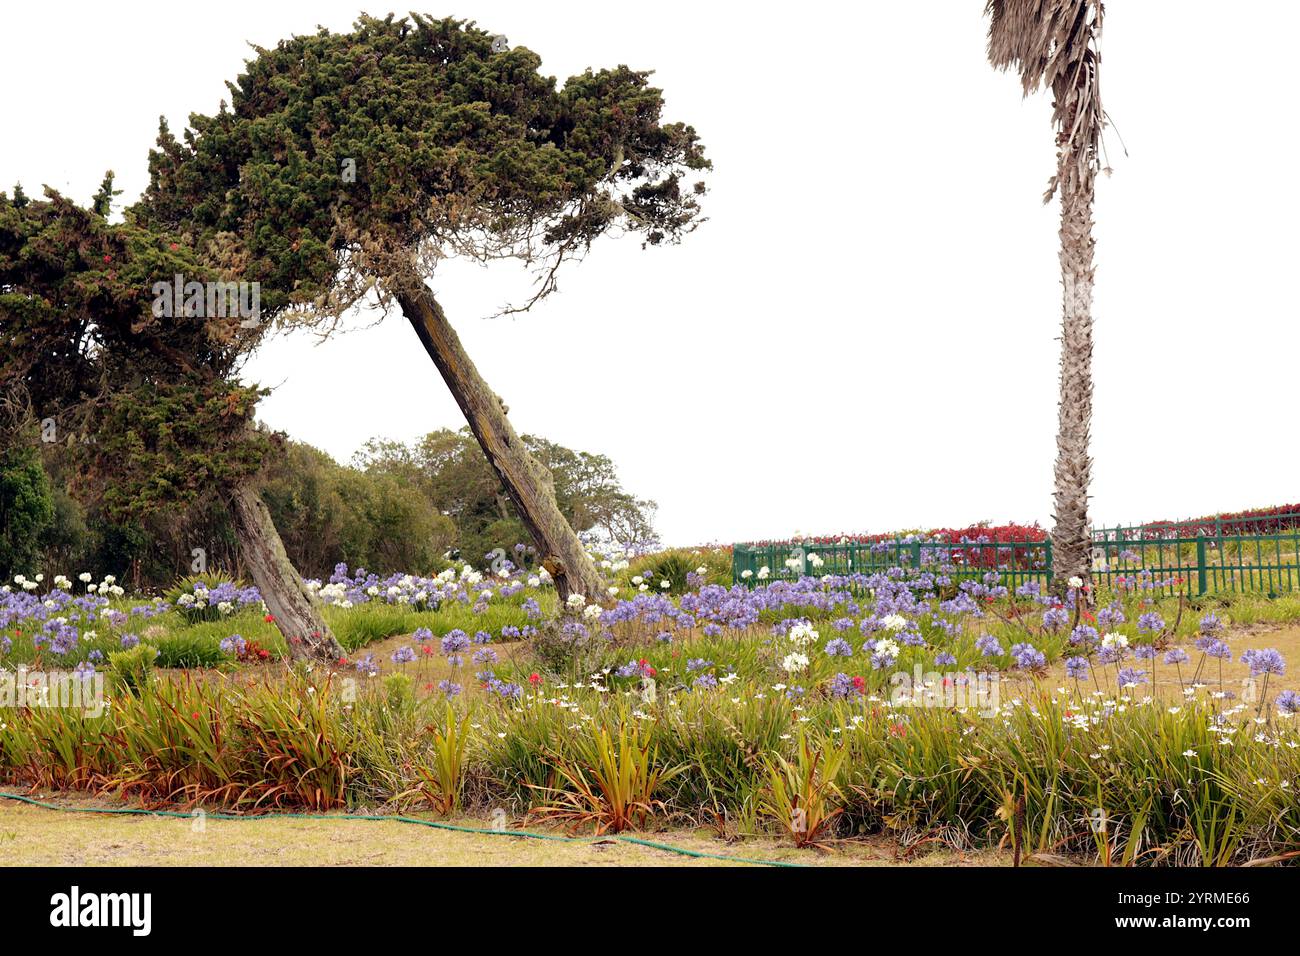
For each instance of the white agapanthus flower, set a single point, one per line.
(764, 572)
(1114, 640)
(802, 635)
(795, 662)
(575, 601)
(893, 622)
(746, 573)
(1075, 582)
(85, 577)
(885, 646)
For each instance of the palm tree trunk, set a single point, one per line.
(296, 614)
(525, 479)
(1071, 539)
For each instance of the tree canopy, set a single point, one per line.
(343, 157)
(450, 469)
(148, 405)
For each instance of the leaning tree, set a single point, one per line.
(1054, 44)
(348, 165)
(150, 403)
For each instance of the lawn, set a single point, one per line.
(34, 836)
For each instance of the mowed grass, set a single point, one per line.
(36, 836)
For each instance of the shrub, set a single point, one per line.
(130, 669)
(198, 598)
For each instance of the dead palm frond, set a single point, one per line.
(1054, 44)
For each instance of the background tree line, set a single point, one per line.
(396, 507)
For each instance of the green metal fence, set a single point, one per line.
(1170, 562)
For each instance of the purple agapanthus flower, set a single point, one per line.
(455, 642)
(1055, 618)
(838, 647)
(1151, 623)
(1132, 676)
(1267, 660)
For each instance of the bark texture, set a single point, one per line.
(525, 479)
(296, 613)
(1056, 43)
(1071, 538)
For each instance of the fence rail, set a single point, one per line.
(1172, 563)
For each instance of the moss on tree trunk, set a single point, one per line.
(296, 613)
(525, 479)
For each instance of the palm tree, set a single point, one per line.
(1055, 44)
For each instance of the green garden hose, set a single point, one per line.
(522, 834)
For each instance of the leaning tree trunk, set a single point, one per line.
(295, 612)
(1071, 539)
(525, 479)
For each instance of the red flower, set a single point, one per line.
(859, 683)
(343, 662)
(650, 672)
(107, 257)
(898, 730)
(269, 619)
(534, 678)
(195, 715)
(173, 246)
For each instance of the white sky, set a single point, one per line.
(863, 336)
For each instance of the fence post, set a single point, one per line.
(1201, 583)
(916, 555)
